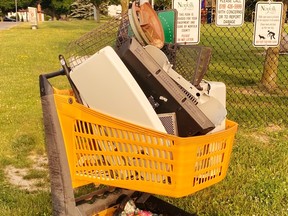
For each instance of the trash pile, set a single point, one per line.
(134, 81)
(130, 209)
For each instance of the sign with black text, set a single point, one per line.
(188, 23)
(267, 24)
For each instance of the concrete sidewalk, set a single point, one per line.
(7, 25)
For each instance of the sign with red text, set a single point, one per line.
(230, 13)
(267, 24)
(188, 22)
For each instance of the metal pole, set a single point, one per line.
(16, 10)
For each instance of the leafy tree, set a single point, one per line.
(9, 5)
(26, 3)
(250, 6)
(81, 9)
(6, 6)
(162, 4)
(97, 4)
(55, 8)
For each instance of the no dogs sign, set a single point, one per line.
(267, 26)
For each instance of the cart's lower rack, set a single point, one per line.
(105, 150)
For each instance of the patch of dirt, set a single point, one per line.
(273, 128)
(41, 162)
(16, 176)
(263, 136)
(260, 91)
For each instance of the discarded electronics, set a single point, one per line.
(106, 85)
(169, 95)
(211, 99)
(158, 86)
(139, 85)
(191, 112)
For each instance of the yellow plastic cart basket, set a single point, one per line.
(105, 150)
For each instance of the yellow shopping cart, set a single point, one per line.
(85, 146)
(128, 161)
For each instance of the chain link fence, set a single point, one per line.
(233, 60)
(237, 63)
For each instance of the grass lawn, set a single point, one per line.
(257, 179)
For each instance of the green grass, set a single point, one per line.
(237, 63)
(36, 174)
(257, 179)
(24, 55)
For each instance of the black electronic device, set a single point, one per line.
(155, 82)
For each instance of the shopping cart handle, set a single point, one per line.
(54, 74)
(45, 86)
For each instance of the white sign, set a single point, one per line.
(188, 23)
(267, 26)
(230, 12)
(32, 16)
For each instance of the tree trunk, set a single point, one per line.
(124, 5)
(269, 76)
(96, 13)
(285, 7)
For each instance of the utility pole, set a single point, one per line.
(16, 17)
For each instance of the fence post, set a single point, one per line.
(269, 76)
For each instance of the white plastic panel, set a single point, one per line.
(106, 85)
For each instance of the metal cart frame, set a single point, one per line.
(64, 201)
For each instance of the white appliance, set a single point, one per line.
(216, 90)
(106, 85)
(211, 100)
